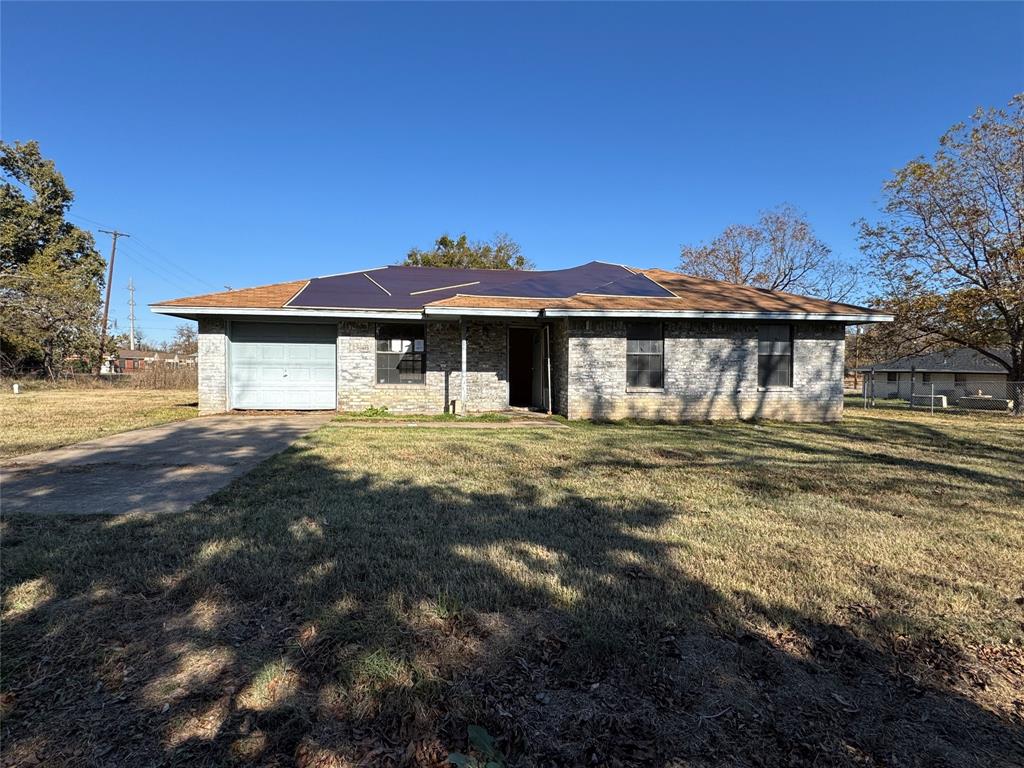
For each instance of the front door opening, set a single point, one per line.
(522, 366)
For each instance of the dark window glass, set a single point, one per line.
(401, 354)
(645, 355)
(892, 376)
(959, 379)
(775, 356)
(926, 378)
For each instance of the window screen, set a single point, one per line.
(645, 355)
(775, 356)
(959, 379)
(401, 354)
(926, 378)
(892, 376)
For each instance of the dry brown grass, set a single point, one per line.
(734, 594)
(50, 416)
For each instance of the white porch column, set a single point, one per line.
(464, 382)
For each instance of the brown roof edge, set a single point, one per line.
(273, 296)
(689, 287)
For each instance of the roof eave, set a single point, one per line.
(722, 315)
(193, 313)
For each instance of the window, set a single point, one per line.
(892, 376)
(775, 356)
(401, 354)
(645, 355)
(926, 378)
(959, 379)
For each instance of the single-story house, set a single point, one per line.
(132, 360)
(952, 372)
(594, 341)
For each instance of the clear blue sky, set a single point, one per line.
(253, 143)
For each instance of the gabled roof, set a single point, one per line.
(263, 296)
(590, 289)
(132, 354)
(961, 360)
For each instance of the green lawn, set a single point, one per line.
(734, 594)
(49, 417)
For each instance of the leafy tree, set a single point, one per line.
(501, 253)
(50, 315)
(948, 253)
(50, 271)
(780, 252)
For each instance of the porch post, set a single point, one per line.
(462, 333)
(547, 355)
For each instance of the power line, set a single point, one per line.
(83, 218)
(167, 261)
(177, 278)
(157, 271)
(174, 264)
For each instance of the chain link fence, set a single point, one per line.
(943, 393)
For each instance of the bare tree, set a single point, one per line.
(780, 252)
(948, 255)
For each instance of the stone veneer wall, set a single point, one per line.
(560, 366)
(213, 361)
(487, 369)
(710, 373)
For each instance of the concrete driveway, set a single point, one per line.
(159, 469)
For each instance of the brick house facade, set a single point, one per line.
(585, 357)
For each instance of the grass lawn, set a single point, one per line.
(50, 417)
(698, 595)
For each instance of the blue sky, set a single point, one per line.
(246, 143)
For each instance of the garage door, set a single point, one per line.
(282, 365)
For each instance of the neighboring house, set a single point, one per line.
(133, 360)
(593, 341)
(953, 372)
(174, 359)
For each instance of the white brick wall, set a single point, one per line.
(710, 373)
(487, 375)
(213, 359)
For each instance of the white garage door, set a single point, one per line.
(282, 365)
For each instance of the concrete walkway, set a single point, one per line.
(159, 469)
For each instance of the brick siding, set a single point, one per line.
(710, 373)
(486, 379)
(213, 360)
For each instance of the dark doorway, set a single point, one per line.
(520, 366)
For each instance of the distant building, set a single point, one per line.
(133, 360)
(951, 372)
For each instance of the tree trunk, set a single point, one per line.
(1015, 380)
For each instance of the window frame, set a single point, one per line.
(959, 379)
(926, 377)
(893, 377)
(636, 373)
(764, 382)
(401, 332)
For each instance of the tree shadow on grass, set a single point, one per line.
(314, 614)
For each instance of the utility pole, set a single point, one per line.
(131, 314)
(110, 279)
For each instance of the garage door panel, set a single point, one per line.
(299, 353)
(280, 365)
